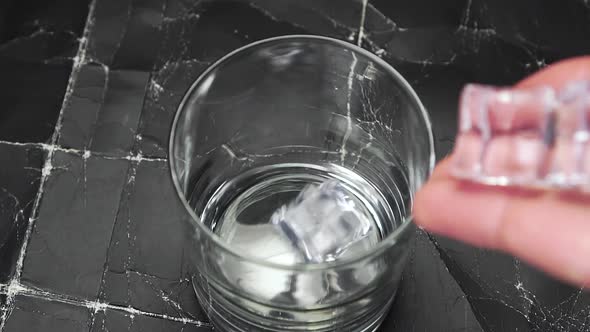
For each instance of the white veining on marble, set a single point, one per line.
(98, 306)
(79, 60)
(362, 25)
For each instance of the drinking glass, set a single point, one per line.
(254, 130)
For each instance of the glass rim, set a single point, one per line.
(383, 245)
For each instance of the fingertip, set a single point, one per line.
(428, 199)
(421, 206)
(442, 169)
(435, 207)
(463, 211)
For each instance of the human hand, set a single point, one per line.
(549, 229)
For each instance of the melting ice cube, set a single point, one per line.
(322, 222)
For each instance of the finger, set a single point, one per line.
(442, 169)
(542, 228)
(461, 210)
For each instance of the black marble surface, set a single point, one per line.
(89, 90)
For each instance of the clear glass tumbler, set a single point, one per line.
(252, 132)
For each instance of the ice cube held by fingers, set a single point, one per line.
(536, 137)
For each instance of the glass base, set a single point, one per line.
(229, 313)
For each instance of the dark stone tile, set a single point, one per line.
(549, 29)
(112, 320)
(489, 283)
(41, 47)
(37, 31)
(480, 55)
(479, 36)
(212, 29)
(428, 298)
(138, 272)
(109, 21)
(557, 29)
(117, 121)
(103, 112)
(32, 96)
(559, 307)
(19, 183)
(509, 295)
(68, 247)
(126, 34)
(20, 17)
(196, 34)
(422, 13)
(138, 47)
(151, 293)
(81, 113)
(167, 87)
(43, 315)
(149, 324)
(228, 24)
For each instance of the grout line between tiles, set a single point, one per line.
(97, 306)
(13, 286)
(362, 24)
(85, 153)
(38, 145)
(131, 172)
